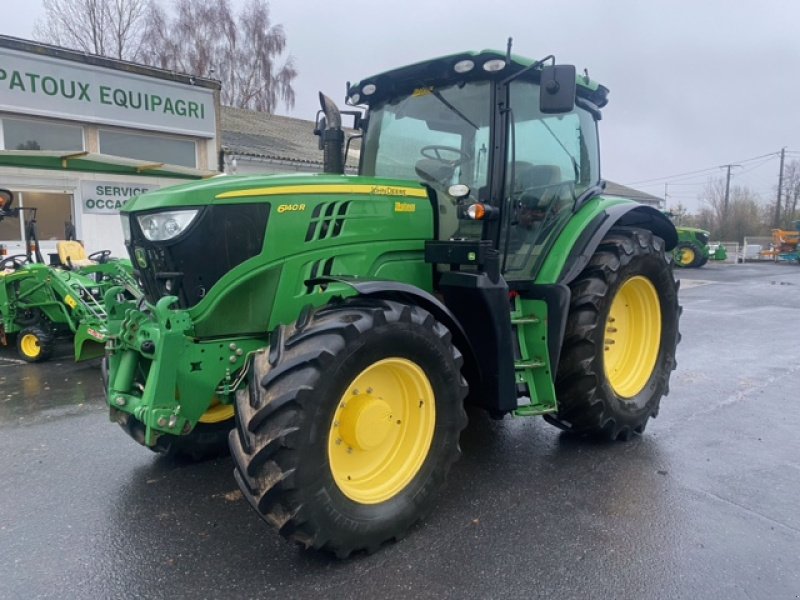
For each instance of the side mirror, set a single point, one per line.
(557, 89)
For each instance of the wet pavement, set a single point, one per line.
(704, 505)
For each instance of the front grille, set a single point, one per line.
(219, 239)
(702, 237)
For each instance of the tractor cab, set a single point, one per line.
(507, 146)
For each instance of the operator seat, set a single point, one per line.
(72, 254)
(532, 180)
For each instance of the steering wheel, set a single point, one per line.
(434, 152)
(17, 261)
(100, 256)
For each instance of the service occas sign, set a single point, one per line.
(107, 197)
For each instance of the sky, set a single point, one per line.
(694, 85)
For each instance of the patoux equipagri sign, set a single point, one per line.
(52, 87)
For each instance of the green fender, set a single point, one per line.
(579, 239)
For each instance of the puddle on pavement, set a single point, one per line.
(29, 391)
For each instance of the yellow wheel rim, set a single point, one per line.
(632, 336)
(217, 413)
(686, 257)
(29, 344)
(382, 430)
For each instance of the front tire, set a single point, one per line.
(349, 424)
(35, 344)
(619, 346)
(688, 256)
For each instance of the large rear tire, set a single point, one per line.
(619, 346)
(349, 424)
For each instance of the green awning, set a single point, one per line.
(95, 163)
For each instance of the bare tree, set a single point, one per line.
(206, 38)
(743, 215)
(105, 27)
(791, 182)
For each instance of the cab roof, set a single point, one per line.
(441, 71)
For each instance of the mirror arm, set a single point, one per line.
(531, 67)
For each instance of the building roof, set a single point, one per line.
(262, 135)
(73, 160)
(39, 48)
(617, 189)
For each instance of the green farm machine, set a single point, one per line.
(692, 250)
(335, 326)
(40, 302)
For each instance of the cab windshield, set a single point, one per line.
(439, 136)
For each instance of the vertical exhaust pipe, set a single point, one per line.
(332, 136)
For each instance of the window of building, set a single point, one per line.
(53, 213)
(149, 147)
(53, 216)
(24, 134)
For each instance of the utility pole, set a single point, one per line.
(776, 221)
(728, 188)
(666, 187)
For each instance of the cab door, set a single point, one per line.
(551, 161)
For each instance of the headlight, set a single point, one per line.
(496, 64)
(158, 227)
(126, 227)
(464, 66)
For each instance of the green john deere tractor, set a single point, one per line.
(342, 322)
(692, 250)
(39, 302)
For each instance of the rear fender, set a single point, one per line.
(630, 214)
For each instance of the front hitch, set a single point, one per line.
(165, 378)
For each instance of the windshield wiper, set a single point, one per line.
(564, 148)
(442, 99)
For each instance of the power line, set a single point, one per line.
(688, 173)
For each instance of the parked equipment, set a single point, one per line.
(39, 302)
(692, 250)
(342, 321)
(785, 244)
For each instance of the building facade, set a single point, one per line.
(80, 134)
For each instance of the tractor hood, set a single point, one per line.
(226, 189)
(692, 230)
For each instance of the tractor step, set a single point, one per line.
(532, 368)
(530, 364)
(534, 410)
(525, 320)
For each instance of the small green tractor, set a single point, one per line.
(334, 326)
(692, 250)
(39, 302)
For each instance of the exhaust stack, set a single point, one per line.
(331, 136)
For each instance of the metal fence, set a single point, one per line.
(732, 250)
(755, 248)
